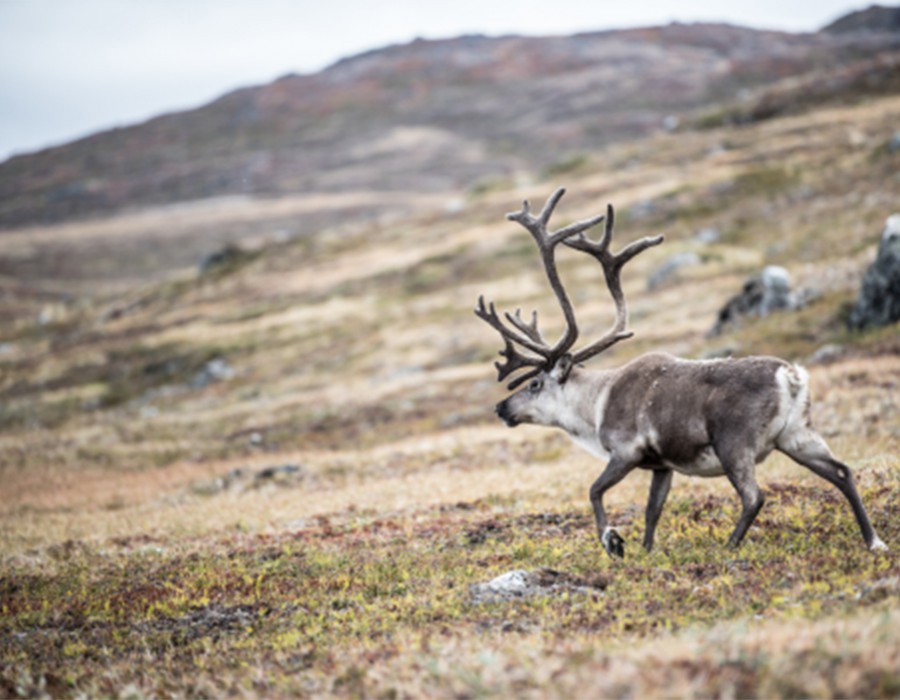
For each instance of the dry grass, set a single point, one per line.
(144, 552)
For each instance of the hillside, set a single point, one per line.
(443, 116)
(279, 473)
(282, 475)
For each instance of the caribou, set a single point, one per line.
(704, 418)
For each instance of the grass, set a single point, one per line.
(323, 607)
(142, 555)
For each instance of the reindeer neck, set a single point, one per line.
(586, 390)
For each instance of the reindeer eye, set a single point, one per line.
(536, 385)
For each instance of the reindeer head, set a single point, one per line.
(549, 366)
(543, 401)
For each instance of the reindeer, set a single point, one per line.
(658, 412)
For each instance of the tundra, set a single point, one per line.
(658, 412)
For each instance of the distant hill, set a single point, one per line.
(876, 18)
(448, 115)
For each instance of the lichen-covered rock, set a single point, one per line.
(519, 584)
(769, 291)
(879, 298)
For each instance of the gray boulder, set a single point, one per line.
(761, 295)
(879, 298)
(708, 235)
(216, 370)
(894, 143)
(668, 271)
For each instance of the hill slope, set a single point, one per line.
(280, 477)
(430, 116)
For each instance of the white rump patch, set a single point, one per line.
(793, 397)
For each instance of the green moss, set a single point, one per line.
(364, 585)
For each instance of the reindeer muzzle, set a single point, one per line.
(505, 415)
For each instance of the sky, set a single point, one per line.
(69, 68)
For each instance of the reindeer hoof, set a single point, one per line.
(877, 545)
(613, 543)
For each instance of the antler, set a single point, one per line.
(531, 339)
(527, 334)
(612, 264)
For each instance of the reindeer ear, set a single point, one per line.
(561, 369)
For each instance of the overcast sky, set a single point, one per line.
(72, 67)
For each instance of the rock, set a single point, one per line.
(671, 122)
(769, 291)
(243, 479)
(879, 590)
(519, 584)
(894, 143)
(279, 472)
(826, 354)
(708, 235)
(508, 586)
(879, 297)
(221, 259)
(52, 313)
(643, 209)
(668, 271)
(455, 205)
(216, 370)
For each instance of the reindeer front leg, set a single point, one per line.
(615, 471)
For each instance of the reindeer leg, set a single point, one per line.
(659, 489)
(809, 449)
(742, 475)
(615, 471)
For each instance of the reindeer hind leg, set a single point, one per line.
(806, 447)
(659, 489)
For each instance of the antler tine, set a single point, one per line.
(547, 242)
(636, 247)
(612, 264)
(529, 329)
(537, 225)
(531, 341)
(578, 229)
(599, 249)
(550, 205)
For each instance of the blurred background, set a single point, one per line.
(247, 440)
